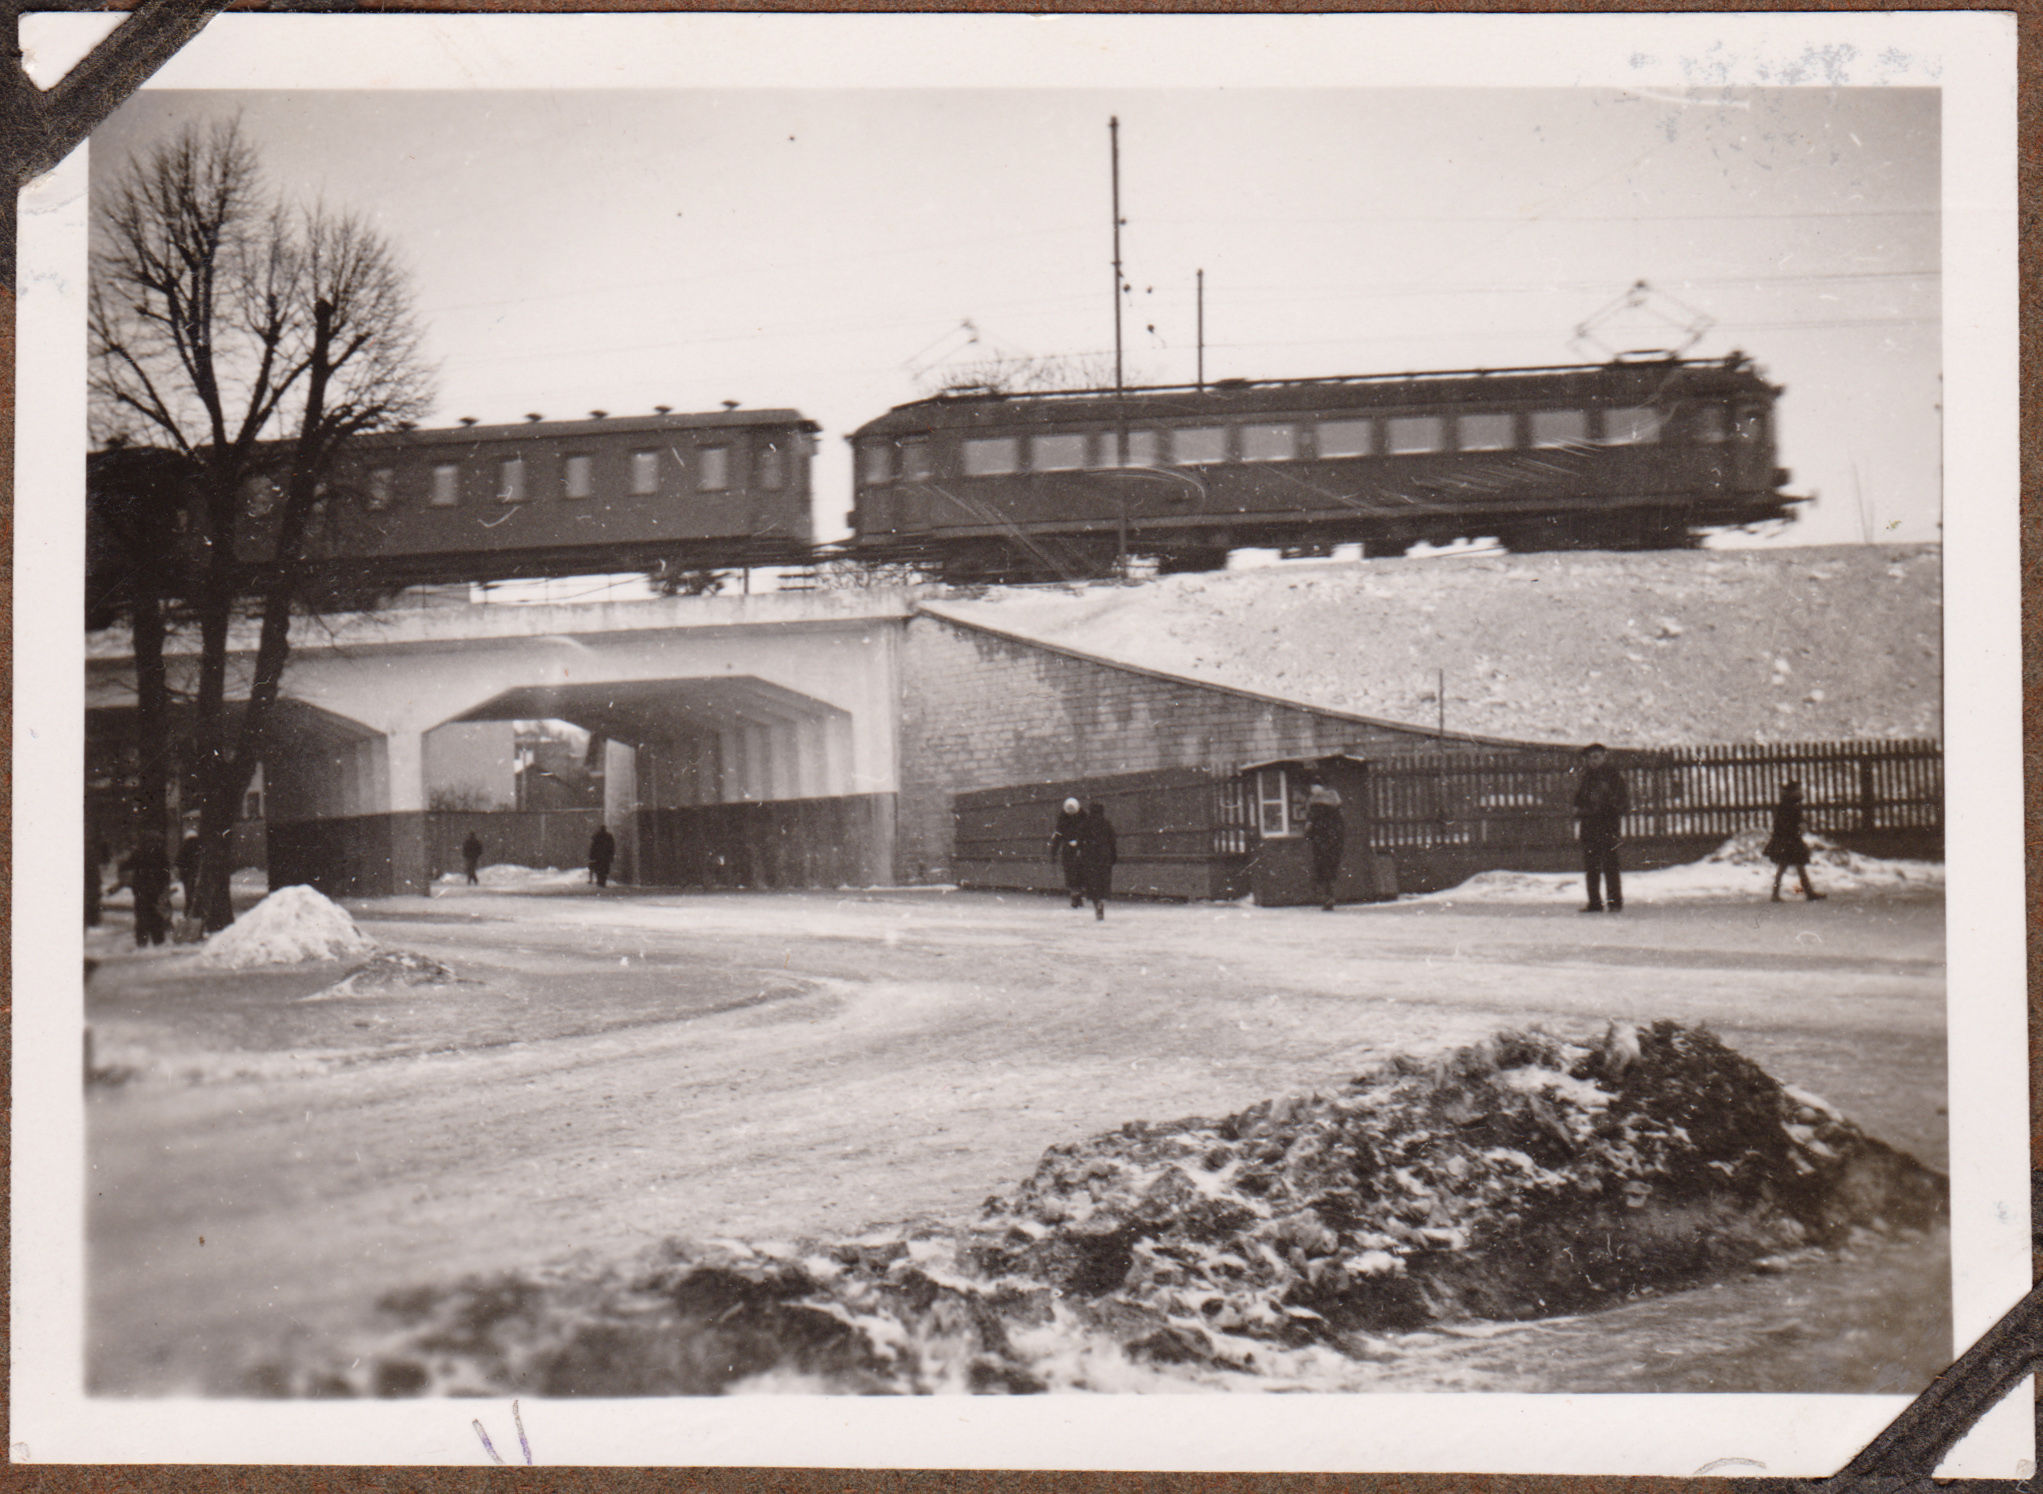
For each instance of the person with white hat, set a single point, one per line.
(1064, 848)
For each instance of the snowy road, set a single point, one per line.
(621, 1068)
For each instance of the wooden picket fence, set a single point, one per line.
(1524, 798)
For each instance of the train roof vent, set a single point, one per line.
(467, 420)
(1231, 384)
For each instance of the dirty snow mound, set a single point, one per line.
(1520, 1177)
(389, 970)
(290, 926)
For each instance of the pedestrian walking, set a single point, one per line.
(471, 853)
(147, 874)
(1785, 847)
(1601, 800)
(602, 851)
(1064, 848)
(1326, 835)
(1096, 856)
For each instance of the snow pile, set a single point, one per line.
(1520, 1177)
(290, 926)
(1661, 648)
(1736, 869)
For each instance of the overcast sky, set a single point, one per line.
(822, 248)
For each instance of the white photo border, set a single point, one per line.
(1969, 56)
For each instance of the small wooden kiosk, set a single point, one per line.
(1280, 865)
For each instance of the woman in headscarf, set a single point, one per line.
(1096, 858)
(1785, 847)
(1064, 848)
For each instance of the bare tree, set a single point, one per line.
(252, 339)
(1001, 372)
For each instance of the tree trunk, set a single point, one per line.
(219, 808)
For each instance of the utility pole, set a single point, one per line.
(1202, 331)
(1114, 143)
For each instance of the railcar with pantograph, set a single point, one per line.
(1645, 453)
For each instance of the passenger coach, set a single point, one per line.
(1639, 453)
(726, 488)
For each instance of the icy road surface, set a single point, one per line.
(616, 1068)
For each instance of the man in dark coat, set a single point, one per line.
(1326, 834)
(602, 851)
(1601, 800)
(147, 873)
(1096, 858)
(471, 853)
(1064, 847)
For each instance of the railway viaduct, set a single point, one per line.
(782, 739)
(786, 699)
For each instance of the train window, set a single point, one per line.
(1198, 443)
(580, 474)
(1707, 425)
(382, 483)
(260, 496)
(1269, 443)
(1344, 438)
(1131, 449)
(712, 469)
(1062, 451)
(1750, 426)
(989, 456)
(446, 484)
(645, 472)
(1560, 427)
(1408, 433)
(915, 459)
(1631, 427)
(1490, 432)
(768, 470)
(511, 480)
(875, 461)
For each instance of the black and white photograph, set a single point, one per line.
(1230, 742)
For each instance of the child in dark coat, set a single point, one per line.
(1785, 847)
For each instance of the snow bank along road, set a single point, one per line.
(615, 1069)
